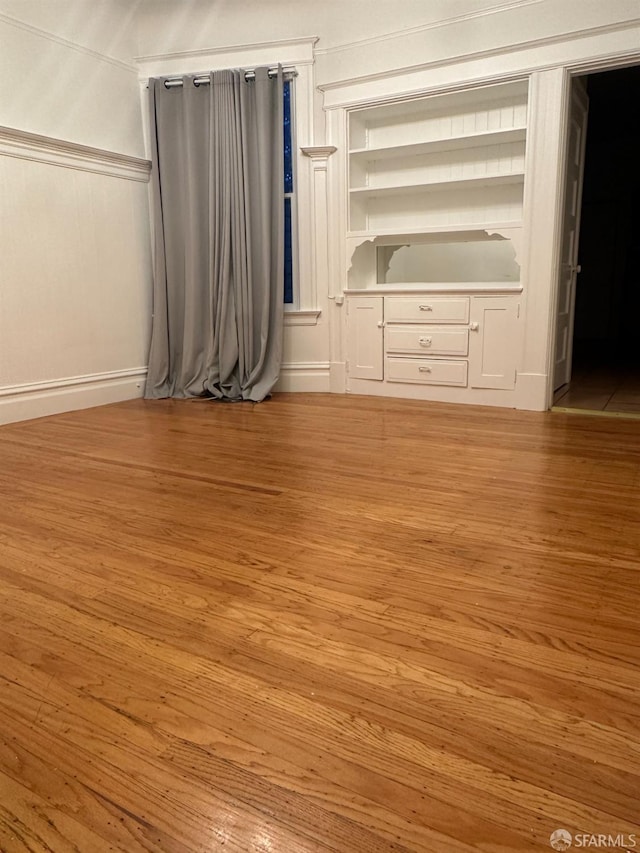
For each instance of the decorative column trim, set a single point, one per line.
(319, 156)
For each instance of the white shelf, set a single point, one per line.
(433, 146)
(443, 104)
(401, 233)
(438, 186)
(438, 287)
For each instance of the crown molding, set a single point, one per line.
(308, 41)
(72, 45)
(71, 155)
(293, 51)
(518, 61)
(434, 25)
(535, 44)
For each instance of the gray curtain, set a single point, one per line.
(218, 193)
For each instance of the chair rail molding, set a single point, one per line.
(71, 155)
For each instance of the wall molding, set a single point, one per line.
(421, 28)
(319, 157)
(71, 155)
(311, 376)
(293, 51)
(40, 399)
(319, 154)
(63, 42)
(531, 392)
(518, 60)
(252, 47)
(301, 318)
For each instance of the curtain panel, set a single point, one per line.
(218, 220)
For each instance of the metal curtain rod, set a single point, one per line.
(204, 79)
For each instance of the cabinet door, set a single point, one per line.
(364, 337)
(493, 342)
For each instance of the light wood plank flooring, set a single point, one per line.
(321, 623)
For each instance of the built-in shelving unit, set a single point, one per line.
(453, 161)
(435, 189)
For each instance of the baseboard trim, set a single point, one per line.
(40, 399)
(531, 392)
(304, 376)
(338, 377)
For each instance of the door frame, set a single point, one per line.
(577, 99)
(571, 71)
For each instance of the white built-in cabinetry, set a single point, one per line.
(446, 174)
(444, 162)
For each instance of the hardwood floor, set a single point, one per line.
(321, 623)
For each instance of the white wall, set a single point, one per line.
(75, 285)
(178, 25)
(66, 71)
(364, 37)
(468, 29)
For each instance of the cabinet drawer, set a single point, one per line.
(426, 309)
(431, 341)
(426, 371)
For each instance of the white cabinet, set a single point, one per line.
(365, 336)
(433, 185)
(433, 346)
(492, 346)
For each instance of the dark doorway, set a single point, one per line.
(606, 353)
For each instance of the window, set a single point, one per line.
(289, 197)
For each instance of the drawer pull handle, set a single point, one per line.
(425, 342)
(424, 369)
(426, 307)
